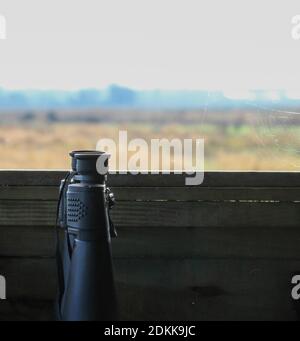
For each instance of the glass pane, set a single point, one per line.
(75, 72)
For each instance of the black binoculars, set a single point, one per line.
(84, 260)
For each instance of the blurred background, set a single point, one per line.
(226, 71)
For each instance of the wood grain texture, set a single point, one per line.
(166, 289)
(211, 179)
(196, 193)
(225, 250)
(167, 243)
(164, 214)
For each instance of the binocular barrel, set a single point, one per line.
(87, 288)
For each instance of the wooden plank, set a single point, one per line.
(27, 213)
(211, 179)
(206, 214)
(206, 290)
(167, 243)
(26, 309)
(196, 193)
(30, 241)
(47, 193)
(26, 276)
(207, 243)
(31, 177)
(164, 214)
(170, 289)
(199, 193)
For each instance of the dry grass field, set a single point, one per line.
(270, 143)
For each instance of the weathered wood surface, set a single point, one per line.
(197, 193)
(165, 289)
(225, 250)
(165, 213)
(167, 243)
(211, 179)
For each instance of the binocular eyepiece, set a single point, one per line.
(90, 165)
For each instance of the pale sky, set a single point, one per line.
(231, 45)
